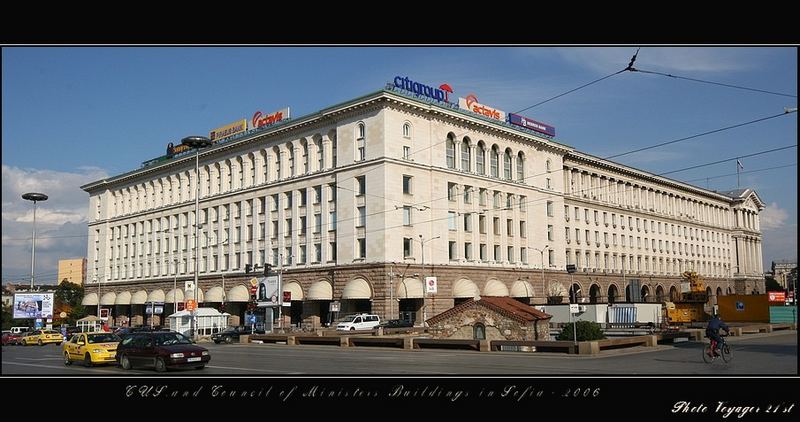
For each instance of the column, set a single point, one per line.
(313, 165)
(327, 152)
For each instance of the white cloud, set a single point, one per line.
(773, 217)
(60, 220)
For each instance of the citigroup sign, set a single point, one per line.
(438, 94)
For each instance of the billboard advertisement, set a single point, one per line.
(261, 119)
(228, 130)
(516, 119)
(33, 305)
(269, 291)
(471, 104)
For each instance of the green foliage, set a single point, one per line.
(771, 285)
(7, 315)
(587, 331)
(68, 297)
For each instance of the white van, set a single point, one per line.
(359, 322)
(19, 330)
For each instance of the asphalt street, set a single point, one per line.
(757, 354)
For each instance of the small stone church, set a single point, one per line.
(491, 318)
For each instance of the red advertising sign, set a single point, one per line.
(287, 296)
(776, 296)
(191, 305)
(261, 119)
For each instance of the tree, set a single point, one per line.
(771, 285)
(587, 331)
(7, 317)
(68, 297)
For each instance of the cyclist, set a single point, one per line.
(712, 332)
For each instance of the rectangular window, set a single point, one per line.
(483, 252)
(407, 184)
(332, 190)
(407, 244)
(496, 225)
(549, 208)
(362, 217)
(406, 216)
(523, 255)
(303, 226)
(303, 198)
(451, 250)
(451, 221)
(275, 257)
(362, 248)
(288, 227)
(317, 223)
(496, 199)
(332, 220)
(361, 185)
(549, 232)
(482, 224)
(467, 194)
(317, 252)
(510, 227)
(287, 256)
(468, 222)
(523, 201)
(551, 257)
(275, 202)
(523, 229)
(497, 256)
(406, 153)
(577, 214)
(468, 251)
(317, 194)
(548, 184)
(302, 258)
(332, 254)
(482, 197)
(510, 255)
(451, 191)
(274, 229)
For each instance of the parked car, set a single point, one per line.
(396, 323)
(99, 347)
(161, 349)
(42, 337)
(231, 334)
(10, 338)
(124, 332)
(358, 322)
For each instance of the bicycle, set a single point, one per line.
(724, 351)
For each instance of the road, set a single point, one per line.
(759, 354)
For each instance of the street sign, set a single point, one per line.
(191, 305)
(63, 315)
(430, 285)
(287, 296)
(151, 308)
(776, 296)
(574, 308)
(334, 307)
(254, 282)
(253, 290)
(571, 268)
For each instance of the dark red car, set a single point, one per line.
(11, 338)
(162, 350)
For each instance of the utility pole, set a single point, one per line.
(422, 242)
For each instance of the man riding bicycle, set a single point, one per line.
(712, 332)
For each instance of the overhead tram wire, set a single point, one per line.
(630, 67)
(712, 83)
(742, 172)
(729, 159)
(701, 134)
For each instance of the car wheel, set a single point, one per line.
(125, 362)
(199, 367)
(67, 362)
(216, 341)
(229, 340)
(161, 366)
(87, 360)
(40, 342)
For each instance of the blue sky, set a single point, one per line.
(72, 115)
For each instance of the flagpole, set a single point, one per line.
(738, 164)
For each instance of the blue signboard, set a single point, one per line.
(516, 119)
(739, 306)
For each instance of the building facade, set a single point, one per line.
(72, 270)
(360, 202)
(782, 272)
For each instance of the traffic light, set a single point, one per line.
(248, 268)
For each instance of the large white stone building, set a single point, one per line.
(344, 202)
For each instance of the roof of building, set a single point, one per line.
(506, 306)
(735, 194)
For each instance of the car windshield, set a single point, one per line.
(171, 338)
(349, 318)
(231, 330)
(102, 338)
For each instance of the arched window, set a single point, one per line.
(612, 293)
(479, 331)
(305, 157)
(520, 167)
(320, 154)
(451, 151)
(495, 162)
(465, 155)
(290, 159)
(507, 164)
(406, 130)
(278, 163)
(547, 166)
(361, 142)
(480, 159)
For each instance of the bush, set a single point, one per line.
(587, 330)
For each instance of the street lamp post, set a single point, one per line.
(422, 243)
(33, 196)
(196, 142)
(541, 253)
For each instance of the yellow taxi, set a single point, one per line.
(91, 348)
(42, 337)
